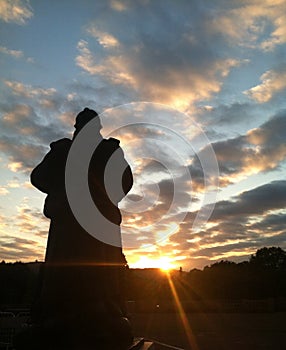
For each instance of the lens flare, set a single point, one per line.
(189, 333)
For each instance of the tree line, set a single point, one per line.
(262, 276)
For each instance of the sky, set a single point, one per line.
(194, 91)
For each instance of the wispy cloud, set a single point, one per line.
(113, 68)
(177, 67)
(105, 39)
(247, 23)
(13, 248)
(3, 191)
(16, 11)
(15, 54)
(28, 125)
(260, 150)
(28, 91)
(150, 78)
(273, 82)
(118, 5)
(238, 226)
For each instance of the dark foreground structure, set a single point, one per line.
(80, 304)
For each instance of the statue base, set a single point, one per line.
(141, 344)
(60, 337)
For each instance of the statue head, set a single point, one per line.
(84, 117)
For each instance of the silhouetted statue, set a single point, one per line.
(81, 304)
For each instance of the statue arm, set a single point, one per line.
(46, 175)
(127, 179)
(40, 175)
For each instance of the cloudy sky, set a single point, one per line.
(195, 91)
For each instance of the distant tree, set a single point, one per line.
(223, 264)
(273, 258)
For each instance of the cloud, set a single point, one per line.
(254, 202)
(31, 118)
(3, 191)
(186, 64)
(15, 11)
(177, 67)
(28, 91)
(154, 78)
(31, 221)
(273, 82)
(238, 226)
(30, 241)
(14, 183)
(270, 224)
(15, 54)
(247, 23)
(105, 39)
(25, 135)
(12, 53)
(13, 248)
(113, 68)
(22, 157)
(261, 149)
(228, 115)
(45, 98)
(271, 133)
(118, 5)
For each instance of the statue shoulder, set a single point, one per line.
(114, 142)
(111, 144)
(61, 144)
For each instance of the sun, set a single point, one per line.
(163, 263)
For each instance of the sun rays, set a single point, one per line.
(182, 314)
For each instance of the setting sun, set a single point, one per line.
(163, 263)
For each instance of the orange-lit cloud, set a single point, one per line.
(118, 5)
(178, 87)
(105, 39)
(3, 191)
(261, 149)
(28, 91)
(273, 81)
(245, 23)
(238, 226)
(112, 67)
(17, 11)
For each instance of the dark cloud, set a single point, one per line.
(271, 223)
(254, 202)
(19, 249)
(271, 134)
(232, 114)
(180, 65)
(239, 226)
(260, 150)
(163, 206)
(26, 130)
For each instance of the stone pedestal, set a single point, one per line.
(141, 344)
